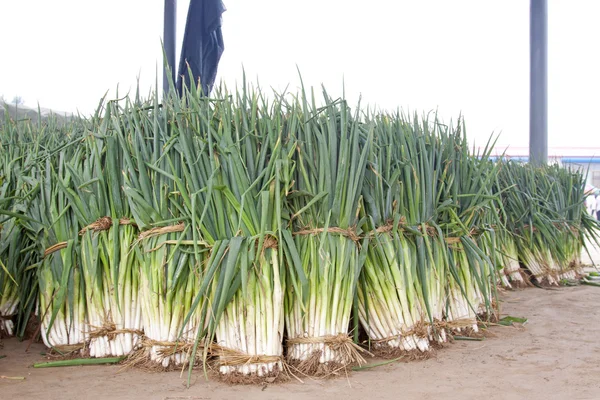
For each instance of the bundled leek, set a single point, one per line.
(10, 237)
(234, 168)
(17, 244)
(109, 267)
(62, 301)
(389, 294)
(165, 272)
(9, 299)
(513, 276)
(397, 277)
(331, 153)
(426, 196)
(471, 222)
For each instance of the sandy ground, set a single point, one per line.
(556, 355)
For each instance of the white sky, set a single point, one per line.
(469, 56)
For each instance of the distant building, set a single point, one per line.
(584, 159)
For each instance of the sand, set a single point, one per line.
(556, 355)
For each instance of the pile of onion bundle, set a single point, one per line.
(213, 227)
(544, 209)
(425, 197)
(331, 150)
(108, 266)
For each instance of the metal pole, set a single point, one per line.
(538, 97)
(169, 31)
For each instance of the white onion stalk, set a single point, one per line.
(62, 303)
(9, 302)
(431, 257)
(510, 256)
(464, 297)
(111, 278)
(330, 263)
(168, 286)
(387, 301)
(252, 323)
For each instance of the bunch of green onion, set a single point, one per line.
(330, 155)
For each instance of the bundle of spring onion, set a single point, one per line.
(17, 277)
(158, 272)
(10, 236)
(394, 290)
(331, 150)
(234, 171)
(108, 266)
(62, 301)
(425, 197)
(513, 276)
(470, 219)
(9, 299)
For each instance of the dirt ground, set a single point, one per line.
(556, 355)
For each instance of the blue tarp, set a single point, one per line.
(202, 44)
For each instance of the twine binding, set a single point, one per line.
(104, 224)
(55, 248)
(110, 330)
(350, 233)
(161, 230)
(232, 357)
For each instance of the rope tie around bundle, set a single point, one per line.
(168, 348)
(140, 356)
(235, 358)
(452, 240)
(350, 352)
(54, 248)
(110, 330)
(389, 226)
(101, 224)
(161, 230)
(403, 226)
(421, 329)
(349, 233)
(383, 229)
(429, 230)
(104, 224)
(269, 242)
(454, 324)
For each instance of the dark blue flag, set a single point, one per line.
(202, 44)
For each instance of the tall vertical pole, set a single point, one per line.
(169, 31)
(538, 95)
